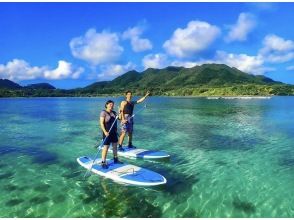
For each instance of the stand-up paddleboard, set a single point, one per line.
(141, 153)
(123, 173)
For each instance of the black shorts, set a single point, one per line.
(112, 138)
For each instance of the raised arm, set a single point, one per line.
(143, 98)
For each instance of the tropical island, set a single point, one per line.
(204, 80)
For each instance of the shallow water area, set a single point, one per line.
(229, 158)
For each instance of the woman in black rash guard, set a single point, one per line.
(107, 118)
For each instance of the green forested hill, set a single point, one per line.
(172, 80)
(7, 84)
(204, 80)
(40, 86)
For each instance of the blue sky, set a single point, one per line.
(71, 45)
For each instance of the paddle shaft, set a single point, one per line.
(100, 146)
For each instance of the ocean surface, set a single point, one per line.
(229, 158)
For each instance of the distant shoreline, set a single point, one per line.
(116, 96)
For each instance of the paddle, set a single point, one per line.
(100, 147)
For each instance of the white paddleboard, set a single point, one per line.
(123, 173)
(141, 153)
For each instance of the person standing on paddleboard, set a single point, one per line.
(108, 119)
(126, 112)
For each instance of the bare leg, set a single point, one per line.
(114, 149)
(130, 137)
(104, 152)
(121, 138)
(115, 158)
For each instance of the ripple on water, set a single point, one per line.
(245, 206)
(287, 162)
(39, 199)
(59, 199)
(14, 202)
(10, 187)
(107, 201)
(179, 182)
(70, 165)
(45, 157)
(8, 175)
(2, 165)
(42, 188)
(71, 175)
(218, 166)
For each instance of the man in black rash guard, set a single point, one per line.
(126, 111)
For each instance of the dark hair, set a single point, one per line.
(128, 92)
(109, 101)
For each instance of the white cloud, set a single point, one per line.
(290, 68)
(275, 43)
(196, 37)
(276, 49)
(138, 44)
(245, 24)
(63, 71)
(262, 6)
(18, 70)
(190, 64)
(155, 61)
(243, 62)
(279, 58)
(109, 72)
(96, 48)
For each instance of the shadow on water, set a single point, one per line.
(287, 159)
(45, 157)
(71, 175)
(221, 163)
(13, 202)
(8, 150)
(7, 175)
(42, 188)
(245, 206)
(2, 165)
(204, 138)
(70, 165)
(77, 133)
(289, 162)
(114, 200)
(39, 155)
(71, 170)
(225, 112)
(59, 198)
(10, 187)
(179, 185)
(38, 200)
(221, 142)
(211, 135)
(190, 213)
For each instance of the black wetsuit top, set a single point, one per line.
(107, 124)
(129, 107)
(112, 138)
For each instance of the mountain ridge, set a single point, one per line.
(203, 80)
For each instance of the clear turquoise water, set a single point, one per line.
(230, 158)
